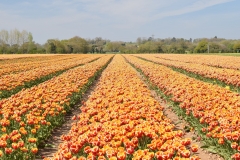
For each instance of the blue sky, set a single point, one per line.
(122, 20)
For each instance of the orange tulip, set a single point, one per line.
(194, 148)
(3, 144)
(4, 129)
(236, 156)
(220, 141)
(34, 131)
(121, 155)
(32, 140)
(34, 150)
(8, 150)
(24, 149)
(185, 153)
(234, 145)
(15, 146)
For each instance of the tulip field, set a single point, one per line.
(225, 75)
(231, 62)
(120, 118)
(15, 76)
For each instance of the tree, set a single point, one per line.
(173, 39)
(11, 39)
(202, 47)
(4, 36)
(51, 46)
(150, 39)
(228, 45)
(38, 48)
(214, 47)
(236, 47)
(17, 36)
(60, 48)
(139, 40)
(78, 44)
(97, 45)
(30, 43)
(182, 46)
(114, 46)
(144, 48)
(23, 40)
(129, 48)
(13, 48)
(158, 47)
(190, 40)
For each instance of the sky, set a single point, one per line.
(122, 20)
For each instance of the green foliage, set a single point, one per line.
(15, 41)
(236, 47)
(78, 45)
(73, 45)
(215, 47)
(51, 46)
(97, 45)
(202, 47)
(114, 46)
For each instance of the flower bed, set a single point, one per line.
(121, 120)
(213, 111)
(13, 80)
(227, 76)
(15, 65)
(28, 117)
(12, 83)
(231, 62)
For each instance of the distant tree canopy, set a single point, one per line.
(236, 47)
(202, 47)
(73, 45)
(15, 41)
(180, 45)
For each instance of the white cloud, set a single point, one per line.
(91, 18)
(131, 13)
(115, 12)
(196, 6)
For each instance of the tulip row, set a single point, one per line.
(227, 76)
(10, 81)
(212, 110)
(210, 60)
(42, 76)
(24, 64)
(121, 120)
(28, 117)
(19, 56)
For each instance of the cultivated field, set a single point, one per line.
(140, 107)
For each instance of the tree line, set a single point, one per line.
(15, 41)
